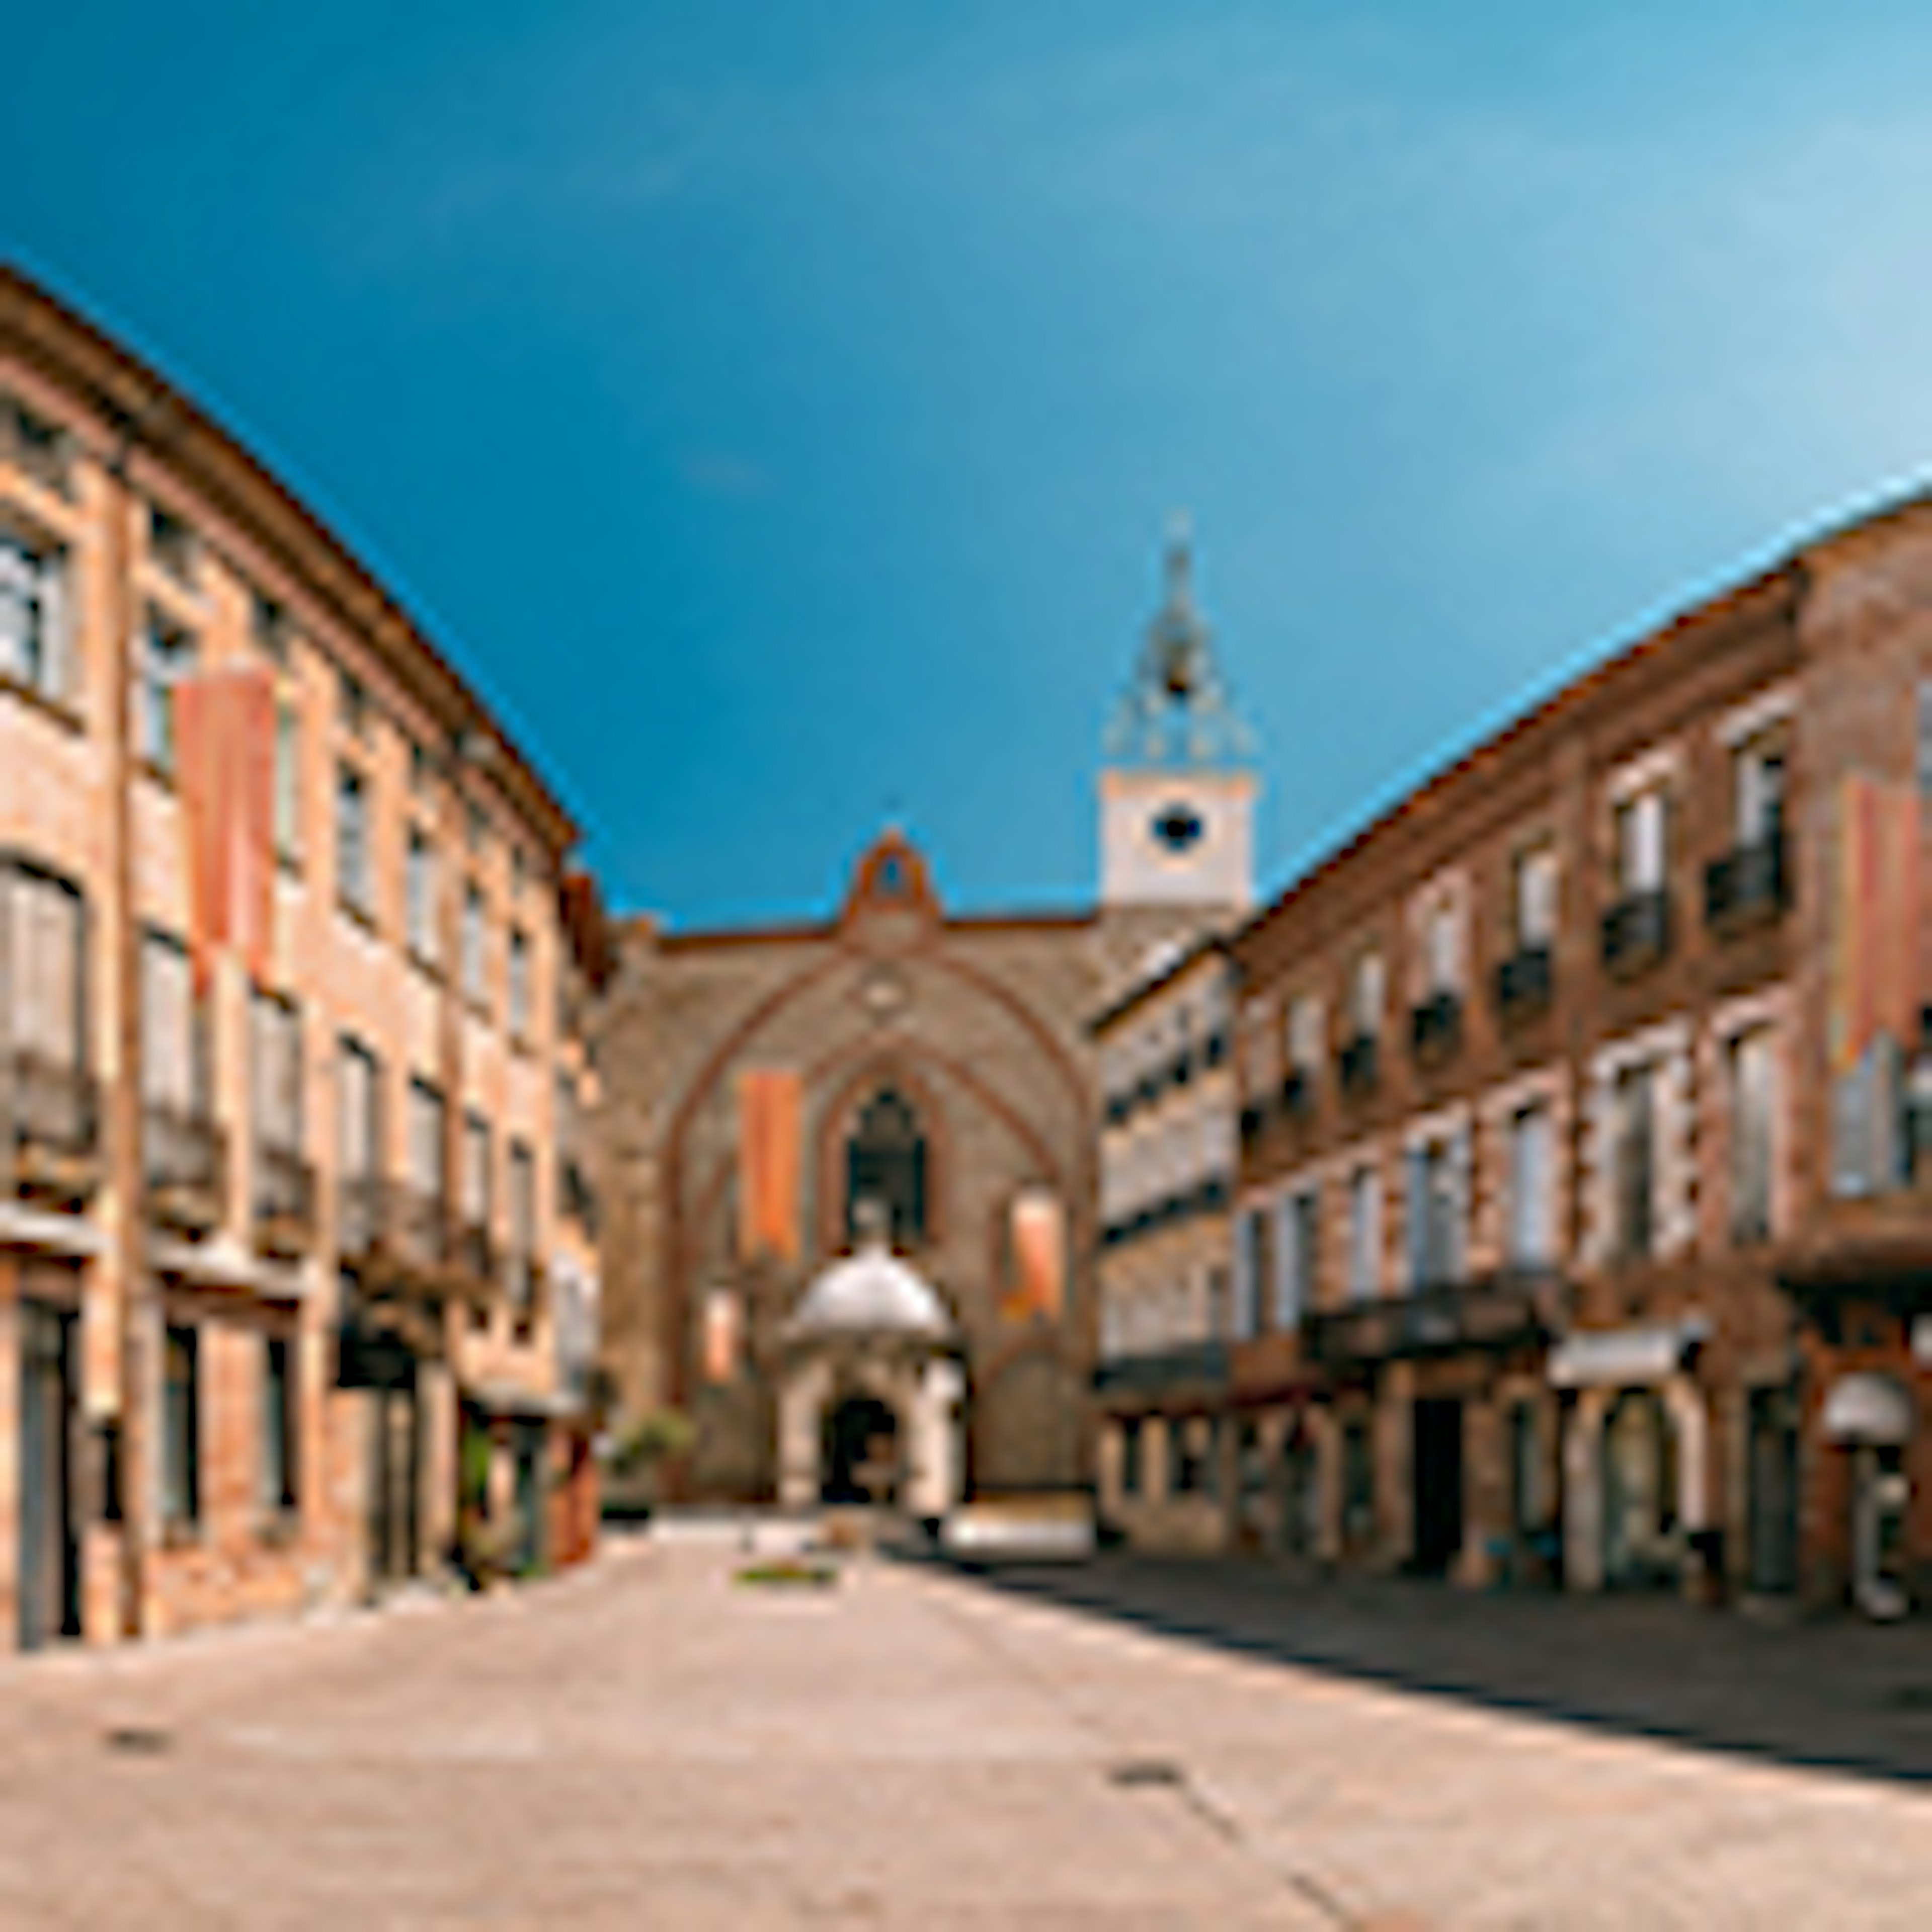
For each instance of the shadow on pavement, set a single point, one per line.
(1833, 1695)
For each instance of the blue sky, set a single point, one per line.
(776, 407)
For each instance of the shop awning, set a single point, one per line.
(1868, 1408)
(1625, 1358)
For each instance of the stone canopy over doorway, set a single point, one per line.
(869, 1398)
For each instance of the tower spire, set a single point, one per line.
(1177, 709)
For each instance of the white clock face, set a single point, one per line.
(1177, 828)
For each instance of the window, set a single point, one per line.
(1757, 790)
(1304, 1034)
(425, 1150)
(1252, 1269)
(33, 616)
(519, 869)
(885, 1161)
(1633, 1171)
(1297, 1257)
(1358, 1483)
(181, 1427)
(280, 1413)
(476, 827)
(43, 924)
(522, 1229)
(352, 705)
(1435, 1193)
(355, 869)
(422, 769)
(1640, 844)
(276, 1066)
(171, 544)
(41, 448)
(268, 625)
(359, 1128)
(1533, 898)
(1753, 1084)
(1365, 1235)
(288, 780)
(520, 984)
(1442, 947)
(1132, 1447)
(475, 944)
(1365, 996)
(174, 1034)
(474, 1203)
(167, 656)
(1532, 1206)
(420, 896)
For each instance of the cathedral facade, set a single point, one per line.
(849, 1164)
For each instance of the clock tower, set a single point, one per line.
(1178, 790)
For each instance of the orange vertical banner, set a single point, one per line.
(771, 1107)
(224, 742)
(1039, 1232)
(1874, 940)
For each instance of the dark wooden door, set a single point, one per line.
(49, 1585)
(1437, 1451)
(1774, 1491)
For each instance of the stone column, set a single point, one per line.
(933, 1482)
(1583, 1493)
(800, 1402)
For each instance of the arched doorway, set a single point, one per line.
(1640, 1491)
(860, 1457)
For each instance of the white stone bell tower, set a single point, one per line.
(1178, 788)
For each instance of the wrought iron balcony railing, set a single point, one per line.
(1525, 983)
(53, 1105)
(1436, 1026)
(1491, 1312)
(1355, 1065)
(284, 1199)
(184, 1154)
(1637, 931)
(1747, 885)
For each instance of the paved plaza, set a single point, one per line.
(650, 1743)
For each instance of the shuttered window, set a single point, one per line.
(474, 1205)
(46, 945)
(1532, 1206)
(276, 1066)
(425, 1139)
(173, 1069)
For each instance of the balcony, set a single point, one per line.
(1494, 1313)
(522, 1289)
(1207, 1196)
(55, 1108)
(1749, 886)
(1525, 984)
(1192, 1368)
(1435, 1027)
(1355, 1066)
(1636, 932)
(185, 1155)
(284, 1201)
(475, 1251)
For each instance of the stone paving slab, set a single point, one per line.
(652, 1745)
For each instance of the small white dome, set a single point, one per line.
(868, 1293)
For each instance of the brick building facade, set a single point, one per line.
(272, 1236)
(1577, 1133)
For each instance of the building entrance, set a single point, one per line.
(1640, 1493)
(860, 1455)
(1774, 1491)
(1436, 1455)
(393, 1485)
(50, 1590)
